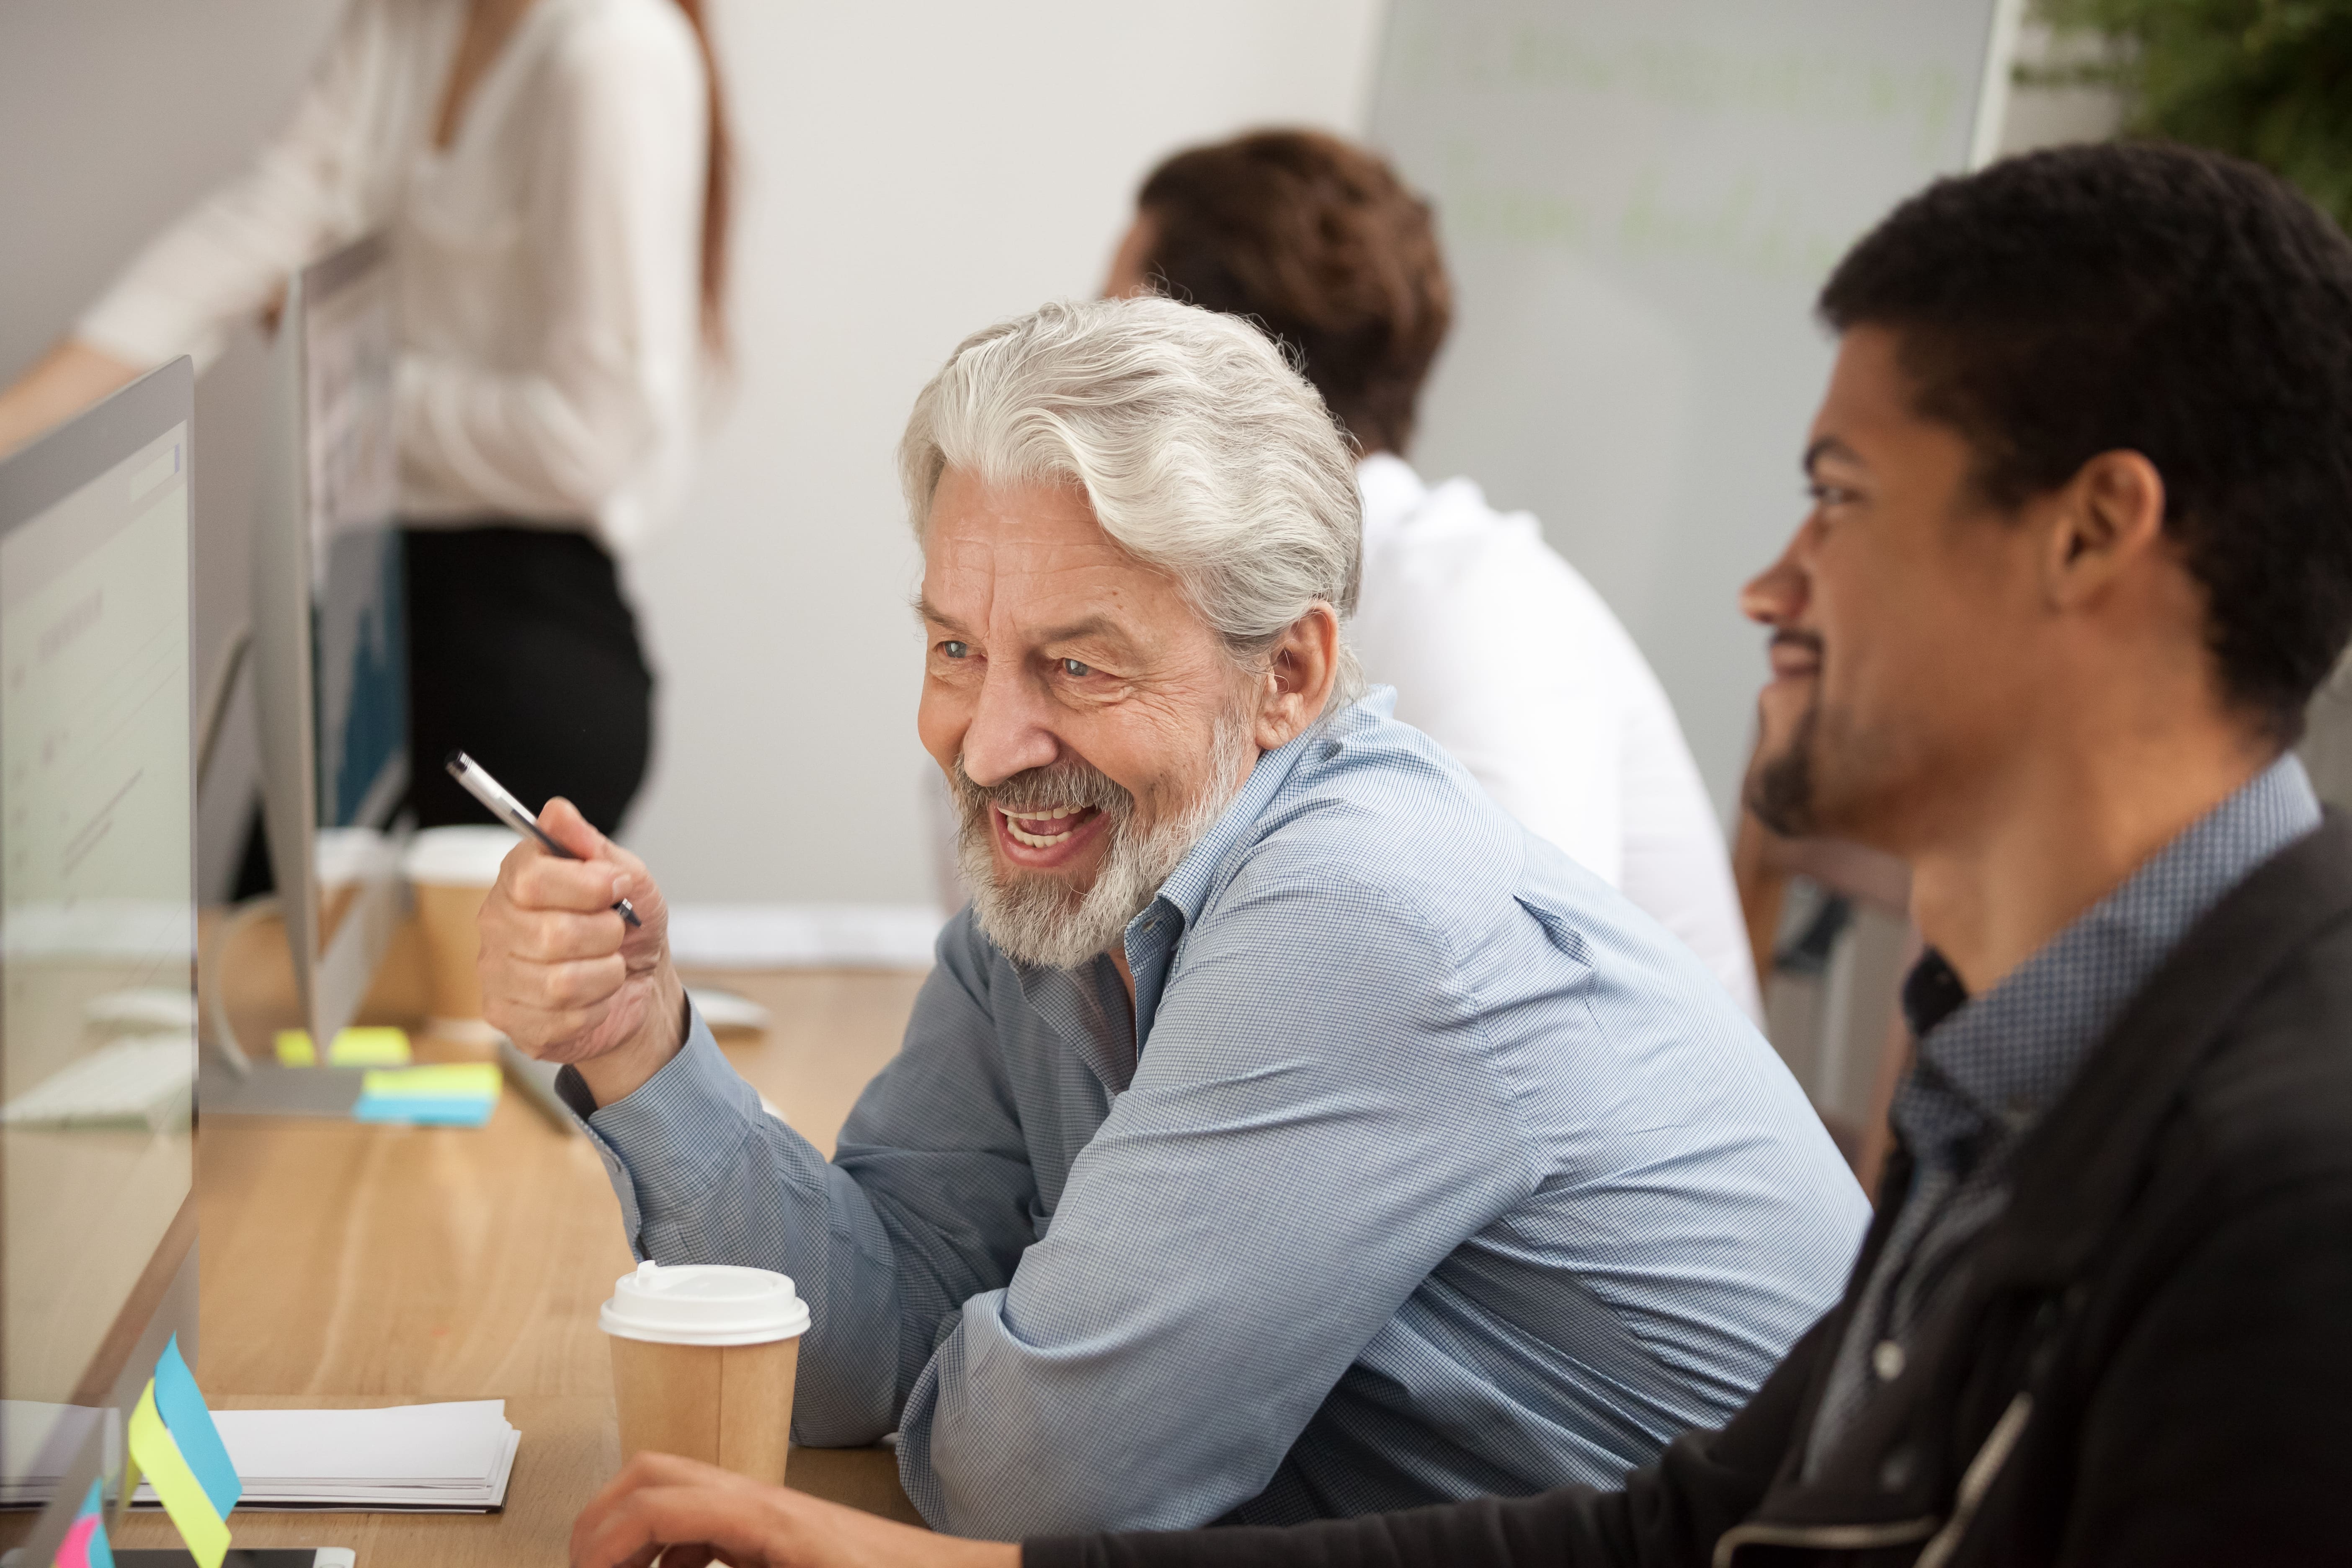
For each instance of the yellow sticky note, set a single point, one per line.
(176, 1487)
(450, 1080)
(368, 1047)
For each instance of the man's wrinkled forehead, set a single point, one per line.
(1033, 559)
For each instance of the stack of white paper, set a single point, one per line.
(38, 1443)
(434, 1459)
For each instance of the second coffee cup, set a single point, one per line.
(453, 869)
(704, 1357)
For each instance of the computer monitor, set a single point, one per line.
(98, 939)
(329, 630)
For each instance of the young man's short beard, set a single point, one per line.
(1779, 789)
(1036, 920)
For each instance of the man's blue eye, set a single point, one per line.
(1074, 670)
(954, 650)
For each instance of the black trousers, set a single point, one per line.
(522, 652)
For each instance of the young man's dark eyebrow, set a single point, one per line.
(1829, 446)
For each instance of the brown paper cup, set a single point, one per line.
(452, 869)
(703, 1362)
(451, 921)
(729, 1406)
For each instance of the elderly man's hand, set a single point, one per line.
(564, 976)
(688, 1514)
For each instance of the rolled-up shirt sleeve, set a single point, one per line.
(1289, 1165)
(927, 1200)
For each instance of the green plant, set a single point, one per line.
(2266, 79)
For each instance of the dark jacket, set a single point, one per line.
(2147, 1359)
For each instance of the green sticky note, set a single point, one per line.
(154, 1454)
(451, 1081)
(368, 1047)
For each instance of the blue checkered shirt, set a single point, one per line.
(1423, 1165)
(1989, 1068)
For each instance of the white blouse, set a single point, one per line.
(549, 259)
(1502, 653)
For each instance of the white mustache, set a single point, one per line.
(1062, 787)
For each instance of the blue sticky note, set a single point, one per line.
(436, 1112)
(191, 1426)
(96, 1553)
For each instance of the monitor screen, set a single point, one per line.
(97, 928)
(330, 656)
(349, 339)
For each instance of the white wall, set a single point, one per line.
(114, 115)
(910, 171)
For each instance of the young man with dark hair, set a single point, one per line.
(2081, 548)
(1500, 651)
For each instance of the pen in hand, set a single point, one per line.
(503, 805)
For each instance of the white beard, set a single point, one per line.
(1035, 919)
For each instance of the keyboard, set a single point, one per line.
(143, 1082)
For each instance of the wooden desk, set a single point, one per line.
(350, 1265)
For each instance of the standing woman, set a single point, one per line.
(553, 176)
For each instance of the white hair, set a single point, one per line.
(1201, 452)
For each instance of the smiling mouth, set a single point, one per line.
(1044, 829)
(1795, 655)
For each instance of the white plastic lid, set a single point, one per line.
(458, 857)
(345, 856)
(703, 1304)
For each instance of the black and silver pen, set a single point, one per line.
(479, 783)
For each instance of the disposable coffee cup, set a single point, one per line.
(348, 860)
(703, 1360)
(451, 871)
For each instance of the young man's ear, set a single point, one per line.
(2102, 523)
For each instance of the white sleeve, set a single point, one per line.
(228, 257)
(614, 222)
(1496, 663)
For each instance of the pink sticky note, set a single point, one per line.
(74, 1551)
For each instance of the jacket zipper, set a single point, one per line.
(1831, 1537)
(1977, 1480)
(1974, 1482)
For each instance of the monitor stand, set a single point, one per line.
(266, 1091)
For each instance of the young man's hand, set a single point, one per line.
(688, 1514)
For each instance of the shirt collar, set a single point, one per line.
(1153, 936)
(1088, 1006)
(1391, 491)
(1999, 1060)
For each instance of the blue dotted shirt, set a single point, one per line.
(1424, 1165)
(1989, 1068)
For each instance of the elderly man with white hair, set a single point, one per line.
(1284, 1133)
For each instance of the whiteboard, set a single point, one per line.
(1638, 203)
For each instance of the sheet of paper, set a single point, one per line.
(453, 1442)
(450, 1458)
